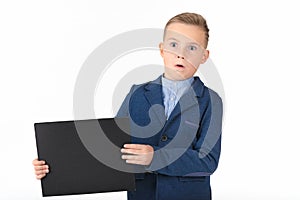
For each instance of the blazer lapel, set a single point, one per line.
(154, 96)
(189, 99)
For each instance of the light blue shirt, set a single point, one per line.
(172, 91)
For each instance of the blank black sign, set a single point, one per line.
(73, 170)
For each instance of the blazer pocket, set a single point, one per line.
(192, 179)
(192, 124)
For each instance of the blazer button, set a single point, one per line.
(164, 138)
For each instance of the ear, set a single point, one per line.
(161, 49)
(205, 56)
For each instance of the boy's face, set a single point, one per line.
(183, 50)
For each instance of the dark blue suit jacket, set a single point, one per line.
(187, 145)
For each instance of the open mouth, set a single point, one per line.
(178, 65)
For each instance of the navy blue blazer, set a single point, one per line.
(187, 145)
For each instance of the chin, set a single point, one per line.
(176, 75)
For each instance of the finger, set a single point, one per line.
(130, 157)
(134, 146)
(137, 162)
(134, 159)
(131, 151)
(38, 162)
(41, 167)
(39, 172)
(39, 177)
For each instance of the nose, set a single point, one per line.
(180, 57)
(180, 53)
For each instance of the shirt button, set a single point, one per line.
(164, 138)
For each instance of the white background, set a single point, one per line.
(254, 45)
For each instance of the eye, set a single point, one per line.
(173, 44)
(192, 48)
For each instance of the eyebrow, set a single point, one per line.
(194, 43)
(172, 38)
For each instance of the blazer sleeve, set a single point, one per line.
(200, 160)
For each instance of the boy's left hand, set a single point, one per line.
(139, 154)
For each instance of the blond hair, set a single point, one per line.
(191, 19)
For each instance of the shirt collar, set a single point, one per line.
(176, 86)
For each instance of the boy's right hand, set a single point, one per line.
(40, 168)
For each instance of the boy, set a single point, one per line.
(176, 120)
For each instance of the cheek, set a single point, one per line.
(192, 69)
(195, 60)
(194, 64)
(168, 59)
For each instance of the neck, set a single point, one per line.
(166, 76)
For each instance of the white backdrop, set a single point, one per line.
(254, 45)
